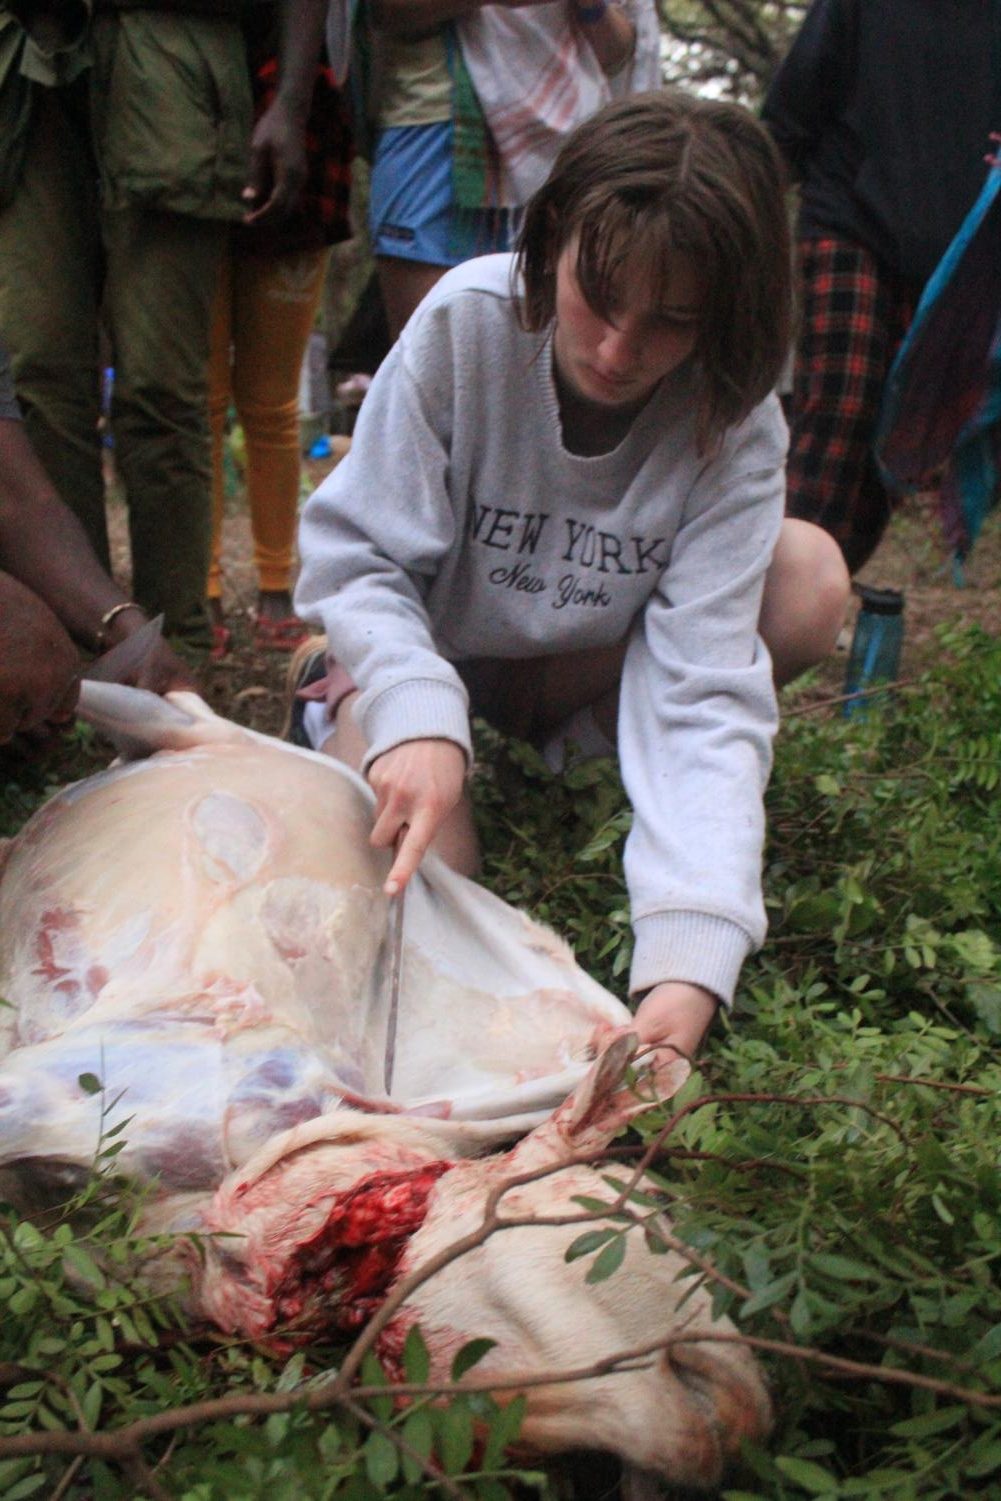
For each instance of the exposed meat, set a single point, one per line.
(342, 1273)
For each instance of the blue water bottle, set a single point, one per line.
(875, 652)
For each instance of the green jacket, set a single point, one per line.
(169, 102)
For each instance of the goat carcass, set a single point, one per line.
(203, 931)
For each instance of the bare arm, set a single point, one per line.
(44, 547)
(39, 667)
(676, 1014)
(416, 785)
(608, 30)
(278, 145)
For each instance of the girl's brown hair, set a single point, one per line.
(658, 174)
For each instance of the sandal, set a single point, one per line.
(280, 635)
(222, 641)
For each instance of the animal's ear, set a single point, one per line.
(594, 1094)
(603, 1102)
(590, 1116)
(606, 1100)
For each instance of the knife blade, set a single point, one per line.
(124, 662)
(396, 911)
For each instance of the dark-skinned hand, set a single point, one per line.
(39, 665)
(163, 670)
(277, 166)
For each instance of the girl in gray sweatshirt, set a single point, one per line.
(559, 511)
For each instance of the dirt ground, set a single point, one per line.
(249, 686)
(912, 557)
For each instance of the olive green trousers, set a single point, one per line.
(70, 266)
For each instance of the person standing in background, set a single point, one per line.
(124, 157)
(470, 105)
(265, 308)
(883, 113)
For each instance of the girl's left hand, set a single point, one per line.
(416, 786)
(677, 1015)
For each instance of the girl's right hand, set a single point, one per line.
(416, 786)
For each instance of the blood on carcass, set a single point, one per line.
(343, 1272)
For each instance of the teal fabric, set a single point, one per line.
(474, 158)
(941, 415)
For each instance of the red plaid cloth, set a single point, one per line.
(323, 215)
(854, 316)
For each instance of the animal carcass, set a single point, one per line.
(203, 931)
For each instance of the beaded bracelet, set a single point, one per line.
(101, 634)
(589, 15)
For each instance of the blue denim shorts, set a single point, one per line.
(411, 212)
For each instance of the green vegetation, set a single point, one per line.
(833, 1166)
(728, 47)
(852, 1207)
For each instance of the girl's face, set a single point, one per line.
(616, 361)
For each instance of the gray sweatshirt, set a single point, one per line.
(459, 526)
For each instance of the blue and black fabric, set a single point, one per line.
(941, 416)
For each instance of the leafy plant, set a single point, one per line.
(834, 1167)
(107, 1397)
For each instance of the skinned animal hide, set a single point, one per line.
(204, 932)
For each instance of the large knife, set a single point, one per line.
(395, 971)
(124, 662)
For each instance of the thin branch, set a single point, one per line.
(843, 698)
(120, 1445)
(909, 1347)
(857, 1368)
(142, 1476)
(167, 1454)
(734, 1164)
(763, 1097)
(657, 1145)
(639, 1358)
(69, 1475)
(369, 1420)
(974, 1089)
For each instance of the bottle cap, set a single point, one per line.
(879, 601)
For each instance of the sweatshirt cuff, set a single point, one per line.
(421, 709)
(695, 947)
